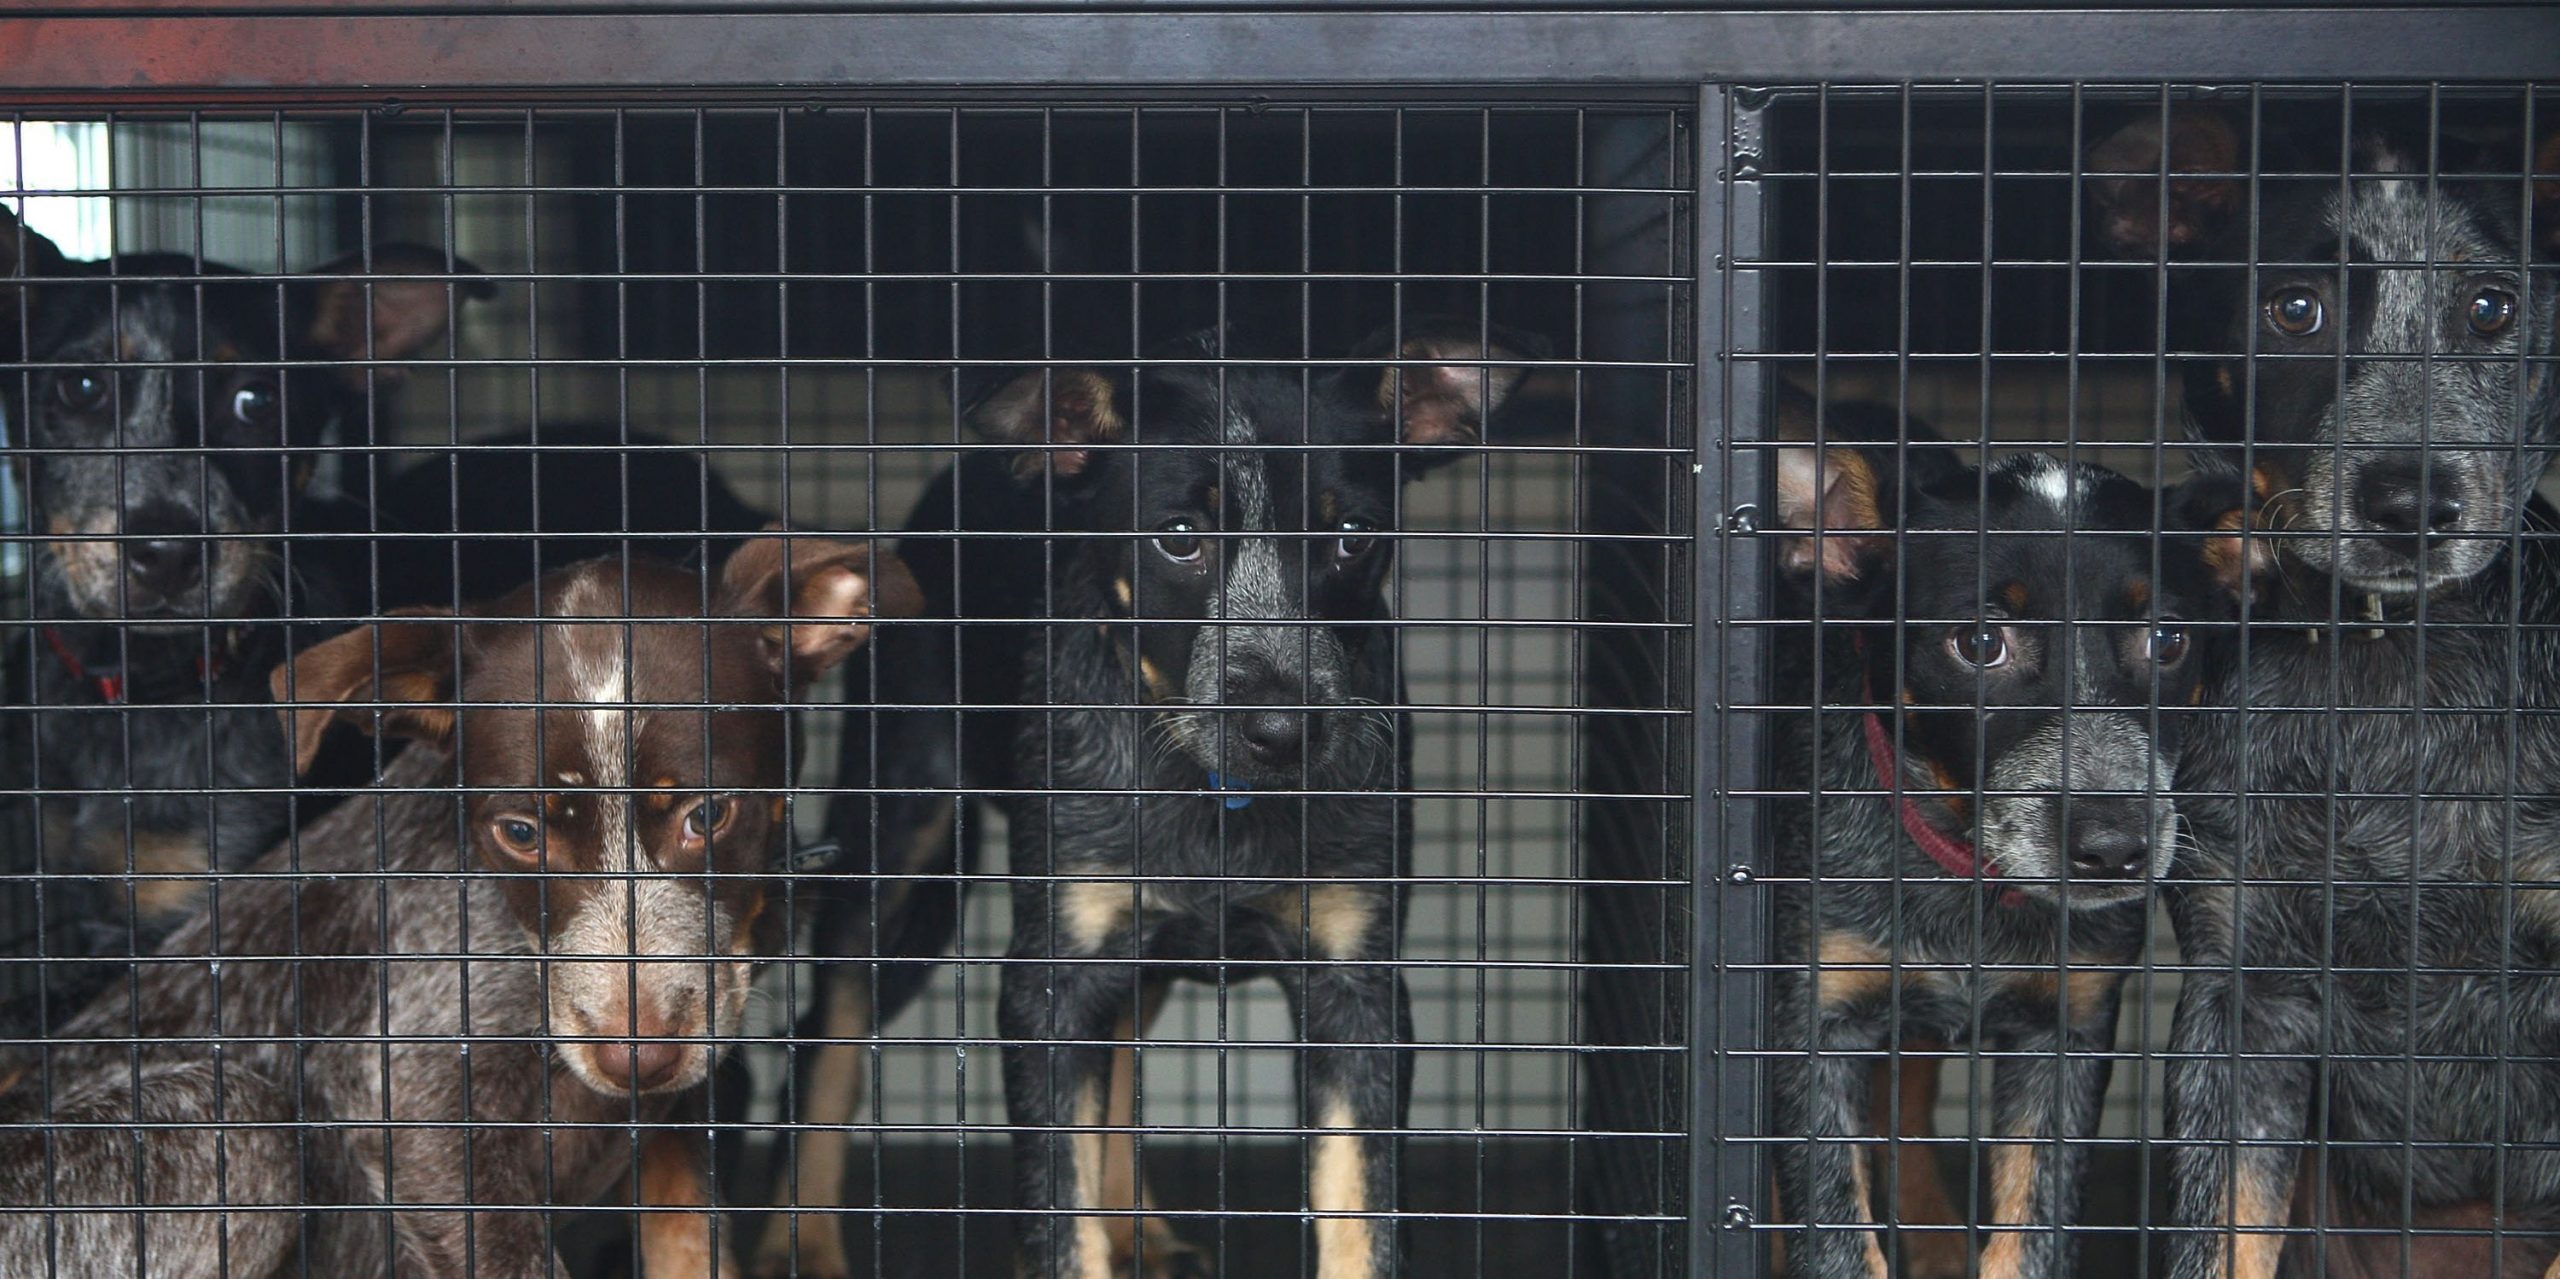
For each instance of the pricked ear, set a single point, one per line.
(1435, 403)
(1838, 490)
(407, 314)
(410, 686)
(2215, 502)
(2201, 139)
(2546, 194)
(1051, 413)
(828, 584)
(24, 254)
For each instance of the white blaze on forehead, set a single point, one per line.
(2050, 480)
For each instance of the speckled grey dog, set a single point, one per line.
(2365, 1037)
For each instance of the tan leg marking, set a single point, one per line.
(2253, 1250)
(1919, 1186)
(1849, 969)
(2014, 1167)
(1862, 1191)
(677, 1245)
(1335, 919)
(164, 854)
(1345, 1246)
(1121, 1186)
(1093, 1237)
(1092, 913)
(833, 1095)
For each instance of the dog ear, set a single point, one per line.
(1838, 490)
(24, 254)
(1051, 414)
(2216, 502)
(400, 668)
(2200, 140)
(350, 311)
(1449, 377)
(805, 577)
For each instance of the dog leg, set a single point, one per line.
(1909, 1086)
(96, 1157)
(1356, 1100)
(1820, 1097)
(1054, 1099)
(828, 1095)
(2046, 1100)
(679, 1245)
(2228, 1199)
(1144, 1247)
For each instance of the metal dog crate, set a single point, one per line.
(796, 243)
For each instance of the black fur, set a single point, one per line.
(2042, 684)
(1210, 600)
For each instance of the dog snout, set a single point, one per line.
(648, 1062)
(2396, 497)
(2108, 838)
(636, 1050)
(1276, 737)
(163, 552)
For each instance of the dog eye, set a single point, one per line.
(707, 818)
(256, 404)
(520, 836)
(2295, 311)
(1178, 540)
(1982, 647)
(1355, 542)
(2491, 311)
(80, 390)
(2167, 645)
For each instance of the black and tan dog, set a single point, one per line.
(1200, 552)
(2004, 672)
(2363, 1048)
(168, 429)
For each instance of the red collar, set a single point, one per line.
(1954, 856)
(112, 686)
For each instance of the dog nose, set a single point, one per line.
(157, 557)
(2109, 838)
(639, 1066)
(2397, 499)
(1274, 737)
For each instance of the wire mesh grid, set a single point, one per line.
(2156, 609)
(617, 857)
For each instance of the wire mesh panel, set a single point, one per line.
(854, 688)
(2150, 482)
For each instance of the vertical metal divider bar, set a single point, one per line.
(1728, 1178)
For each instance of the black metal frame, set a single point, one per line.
(391, 55)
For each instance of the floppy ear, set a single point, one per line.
(2217, 503)
(830, 583)
(1433, 397)
(386, 312)
(1050, 413)
(2546, 194)
(412, 681)
(2200, 140)
(24, 254)
(1838, 490)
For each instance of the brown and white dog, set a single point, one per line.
(569, 865)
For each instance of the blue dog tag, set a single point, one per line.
(1220, 781)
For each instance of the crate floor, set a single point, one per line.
(1448, 1186)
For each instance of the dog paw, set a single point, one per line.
(1934, 1254)
(1167, 1256)
(817, 1253)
